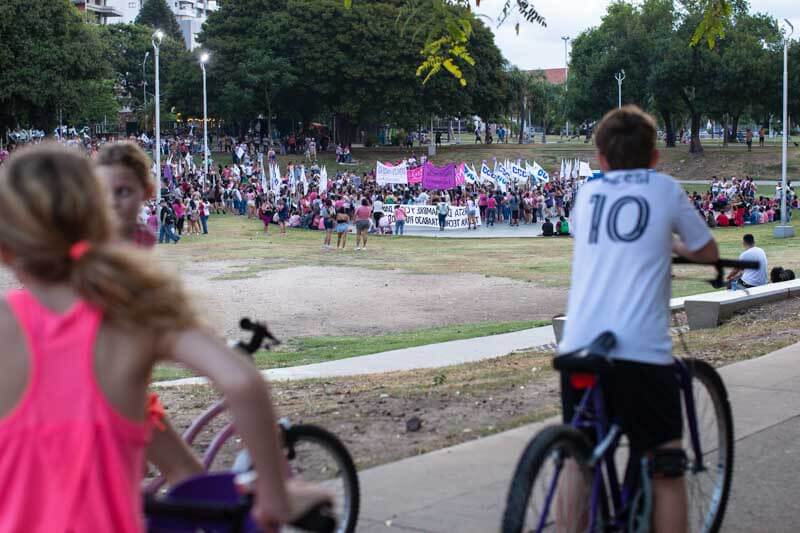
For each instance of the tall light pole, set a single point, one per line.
(785, 230)
(619, 76)
(144, 87)
(203, 61)
(566, 75)
(156, 40)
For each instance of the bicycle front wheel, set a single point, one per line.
(551, 488)
(708, 477)
(318, 456)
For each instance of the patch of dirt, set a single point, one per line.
(464, 402)
(313, 300)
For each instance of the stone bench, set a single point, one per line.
(709, 310)
(675, 304)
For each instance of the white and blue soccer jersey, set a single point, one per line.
(623, 226)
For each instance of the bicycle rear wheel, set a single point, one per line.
(318, 456)
(708, 478)
(541, 493)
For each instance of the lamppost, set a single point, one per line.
(203, 61)
(156, 40)
(566, 76)
(785, 230)
(144, 87)
(619, 76)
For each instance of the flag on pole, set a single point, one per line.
(303, 179)
(575, 168)
(470, 174)
(563, 168)
(486, 174)
(538, 173)
(585, 170)
(502, 177)
(323, 180)
(518, 172)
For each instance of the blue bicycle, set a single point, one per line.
(611, 505)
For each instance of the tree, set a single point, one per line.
(157, 15)
(47, 56)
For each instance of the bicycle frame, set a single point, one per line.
(591, 415)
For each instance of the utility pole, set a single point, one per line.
(566, 75)
(785, 230)
(619, 76)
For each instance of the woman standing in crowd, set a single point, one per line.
(399, 220)
(362, 218)
(328, 215)
(342, 227)
(472, 213)
(180, 214)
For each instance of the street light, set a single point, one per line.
(566, 75)
(785, 230)
(158, 35)
(203, 61)
(619, 76)
(144, 87)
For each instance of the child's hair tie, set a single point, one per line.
(77, 250)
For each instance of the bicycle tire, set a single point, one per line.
(306, 433)
(706, 376)
(533, 460)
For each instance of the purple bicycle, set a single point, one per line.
(612, 505)
(214, 502)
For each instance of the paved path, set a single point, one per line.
(428, 356)
(463, 488)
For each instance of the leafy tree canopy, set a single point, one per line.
(157, 15)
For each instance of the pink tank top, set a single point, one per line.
(69, 462)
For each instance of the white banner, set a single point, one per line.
(385, 175)
(427, 216)
(585, 170)
(502, 176)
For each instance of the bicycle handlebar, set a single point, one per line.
(260, 333)
(720, 265)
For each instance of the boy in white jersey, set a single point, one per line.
(624, 226)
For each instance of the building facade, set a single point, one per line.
(190, 14)
(99, 11)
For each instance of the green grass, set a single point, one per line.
(544, 262)
(309, 350)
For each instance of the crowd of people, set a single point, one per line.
(736, 202)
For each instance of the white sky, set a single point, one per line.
(537, 47)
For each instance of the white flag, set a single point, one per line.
(518, 173)
(486, 174)
(585, 170)
(323, 180)
(563, 168)
(470, 174)
(538, 174)
(502, 176)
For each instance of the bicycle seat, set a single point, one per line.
(592, 359)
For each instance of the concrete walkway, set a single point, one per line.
(463, 488)
(428, 356)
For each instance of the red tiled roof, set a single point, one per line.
(556, 76)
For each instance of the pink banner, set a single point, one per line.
(439, 177)
(415, 175)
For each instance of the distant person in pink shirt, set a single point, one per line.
(399, 220)
(363, 217)
(491, 211)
